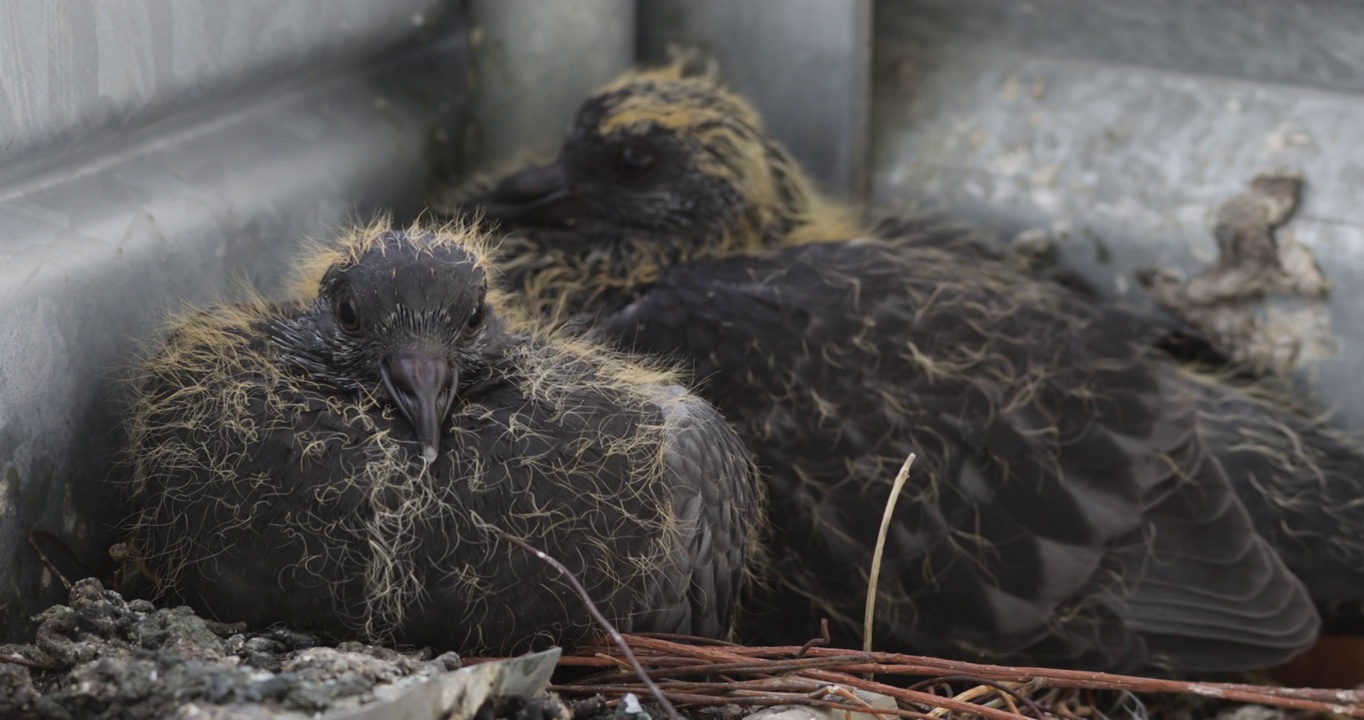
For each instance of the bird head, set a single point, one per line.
(663, 160)
(402, 310)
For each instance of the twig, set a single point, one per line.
(596, 615)
(21, 660)
(724, 655)
(1342, 701)
(982, 686)
(820, 641)
(72, 555)
(698, 640)
(43, 557)
(880, 548)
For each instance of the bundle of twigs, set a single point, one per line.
(696, 673)
(699, 673)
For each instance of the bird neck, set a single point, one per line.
(787, 208)
(823, 219)
(599, 269)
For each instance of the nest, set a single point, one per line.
(702, 677)
(695, 674)
(699, 674)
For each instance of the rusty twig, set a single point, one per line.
(820, 641)
(42, 556)
(669, 661)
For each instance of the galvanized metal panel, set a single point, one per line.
(1312, 43)
(532, 64)
(1125, 126)
(156, 203)
(82, 71)
(804, 63)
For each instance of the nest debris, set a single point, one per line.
(100, 656)
(1259, 259)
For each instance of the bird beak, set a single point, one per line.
(422, 384)
(534, 195)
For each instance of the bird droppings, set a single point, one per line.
(101, 656)
(1257, 260)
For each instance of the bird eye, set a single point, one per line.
(635, 161)
(346, 316)
(475, 321)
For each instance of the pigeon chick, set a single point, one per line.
(1079, 498)
(342, 463)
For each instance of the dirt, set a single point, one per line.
(101, 657)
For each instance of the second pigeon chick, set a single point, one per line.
(341, 462)
(1080, 498)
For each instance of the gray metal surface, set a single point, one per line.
(167, 151)
(532, 64)
(1125, 125)
(805, 64)
(81, 72)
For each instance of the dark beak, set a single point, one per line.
(534, 195)
(422, 384)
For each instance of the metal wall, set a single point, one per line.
(150, 152)
(1122, 127)
(533, 63)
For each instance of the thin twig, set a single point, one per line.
(89, 571)
(598, 616)
(698, 640)
(824, 692)
(880, 548)
(982, 686)
(43, 557)
(21, 660)
(773, 673)
(1343, 702)
(919, 698)
(820, 641)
